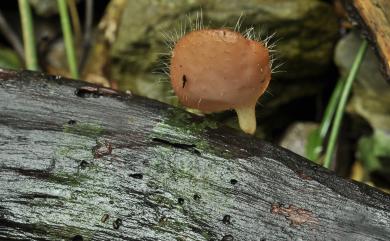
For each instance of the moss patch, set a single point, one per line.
(92, 130)
(181, 127)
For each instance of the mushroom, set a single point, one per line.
(214, 70)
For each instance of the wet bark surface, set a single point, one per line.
(373, 17)
(79, 162)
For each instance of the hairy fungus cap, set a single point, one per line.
(216, 70)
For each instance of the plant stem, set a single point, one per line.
(331, 108)
(30, 52)
(68, 38)
(316, 139)
(343, 100)
(74, 16)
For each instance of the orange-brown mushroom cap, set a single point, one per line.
(216, 70)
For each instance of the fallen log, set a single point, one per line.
(373, 17)
(80, 162)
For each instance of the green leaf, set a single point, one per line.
(374, 149)
(314, 145)
(9, 59)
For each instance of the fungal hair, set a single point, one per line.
(189, 24)
(237, 27)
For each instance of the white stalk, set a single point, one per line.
(247, 118)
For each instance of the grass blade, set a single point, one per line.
(316, 138)
(341, 106)
(68, 38)
(30, 51)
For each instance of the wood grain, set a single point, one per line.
(373, 16)
(79, 162)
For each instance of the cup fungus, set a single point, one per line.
(214, 70)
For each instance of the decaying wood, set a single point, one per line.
(79, 162)
(373, 16)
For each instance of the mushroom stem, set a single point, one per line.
(247, 119)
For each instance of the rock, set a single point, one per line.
(306, 30)
(371, 101)
(371, 93)
(44, 8)
(296, 136)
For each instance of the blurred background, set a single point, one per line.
(118, 44)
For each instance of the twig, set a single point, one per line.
(11, 36)
(87, 33)
(75, 21)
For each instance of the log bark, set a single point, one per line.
(373, 17)
(79, 162)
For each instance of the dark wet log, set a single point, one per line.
(373, 16)
(79, 162)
